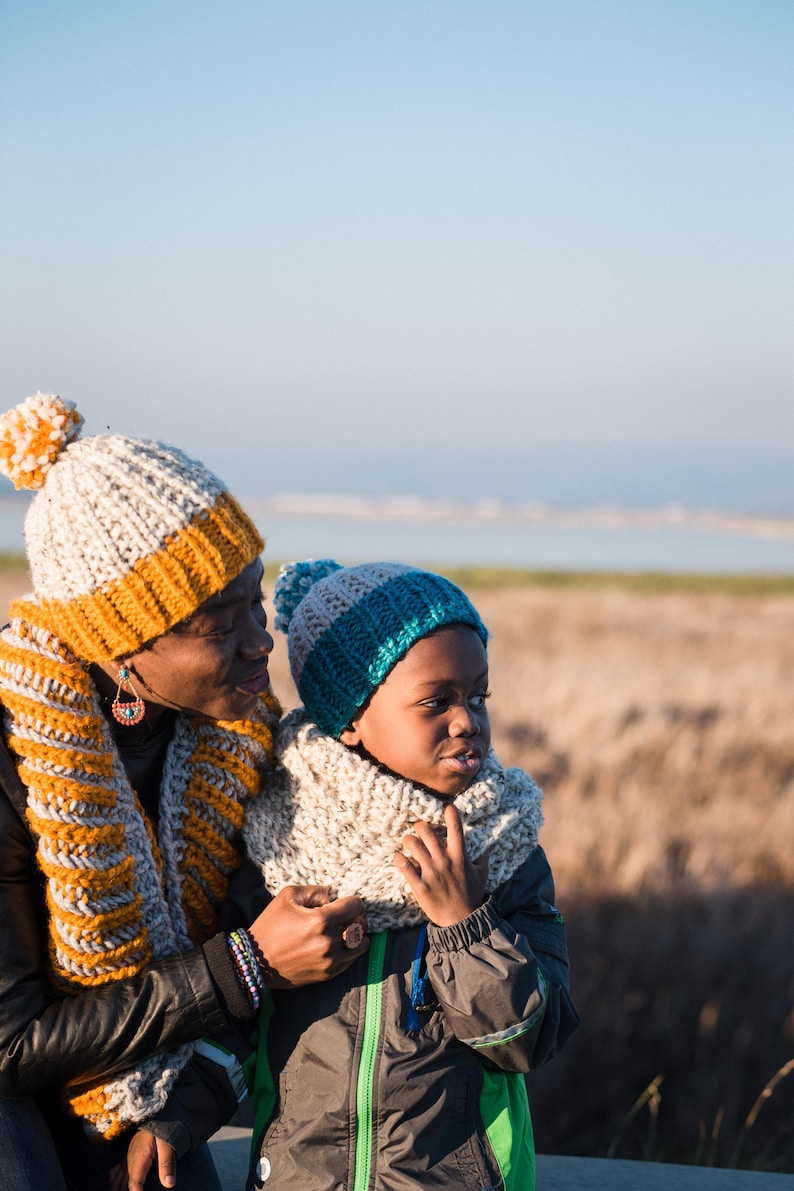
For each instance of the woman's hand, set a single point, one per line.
(300, 935)
(144, 1151)
(446, 884)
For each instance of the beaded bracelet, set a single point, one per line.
(255, 957)
(244, 974)
(246, 962)
(249, 977)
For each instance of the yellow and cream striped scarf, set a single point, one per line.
(119, 893)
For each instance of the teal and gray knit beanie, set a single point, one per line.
(348, 626)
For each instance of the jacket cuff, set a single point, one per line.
(234, 1001)
(461, 935)
(176, 1133)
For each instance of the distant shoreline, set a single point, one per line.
(416, 508)
(411, 508)
(525, 542)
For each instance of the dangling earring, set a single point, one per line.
(131, 712)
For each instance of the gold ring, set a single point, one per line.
(353, 935)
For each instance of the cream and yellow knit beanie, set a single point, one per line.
(124, 537)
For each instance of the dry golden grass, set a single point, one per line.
(13, 581)
(661, 726)
(661, 729)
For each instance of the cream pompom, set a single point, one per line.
(32, 436)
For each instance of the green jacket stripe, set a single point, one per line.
(366, 1065)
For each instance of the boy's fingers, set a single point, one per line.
(405, 863)
(410, 870)
(417, 844)
(454, 828)
(481, 863)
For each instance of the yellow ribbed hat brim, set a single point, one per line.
(160, 590)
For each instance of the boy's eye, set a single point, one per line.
(478, 700)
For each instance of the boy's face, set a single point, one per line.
(428, 721)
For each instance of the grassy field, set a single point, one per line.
(657, 713)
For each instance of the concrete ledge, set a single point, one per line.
(231, 1145)
(230, 1148)
(604, 1174)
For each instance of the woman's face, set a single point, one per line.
(214, 663)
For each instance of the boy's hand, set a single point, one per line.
(144, 1151)
(446, 884)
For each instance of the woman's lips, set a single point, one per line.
(256, 685)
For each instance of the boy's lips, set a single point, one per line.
(466, 761)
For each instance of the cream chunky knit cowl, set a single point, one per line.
(331, 817)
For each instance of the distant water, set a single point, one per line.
(626, 509)
(537, 506)
(758, 482)
(531, 537)
(573, 544)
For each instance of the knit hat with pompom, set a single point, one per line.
(348, 626)
(124, 537)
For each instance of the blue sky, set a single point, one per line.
(356, 226)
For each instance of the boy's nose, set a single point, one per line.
(463, 723)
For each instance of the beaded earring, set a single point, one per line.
(129, 712)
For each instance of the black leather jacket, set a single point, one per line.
(48, 1040)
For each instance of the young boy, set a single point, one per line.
(407, 1070)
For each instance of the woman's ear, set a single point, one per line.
(350, 736)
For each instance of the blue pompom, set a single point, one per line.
(295, 579)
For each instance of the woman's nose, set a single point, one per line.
(257, 640)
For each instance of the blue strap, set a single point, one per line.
(418, 982)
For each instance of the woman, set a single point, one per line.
(137, 721)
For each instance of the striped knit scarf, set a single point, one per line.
(331, 817)
(119, 895)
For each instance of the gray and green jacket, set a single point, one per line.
(371, 1092)
(408, 1069)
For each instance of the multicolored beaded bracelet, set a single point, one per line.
(248, 970)
(254, 956)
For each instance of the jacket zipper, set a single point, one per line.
(366, 1065)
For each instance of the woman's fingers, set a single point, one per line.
(300, 936)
